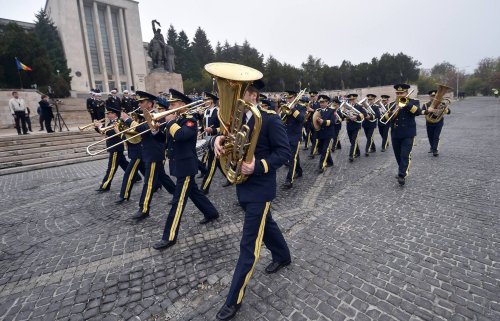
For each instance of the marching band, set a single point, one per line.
(247, 140)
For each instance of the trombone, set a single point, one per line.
(151, 120)
(84, 127)
(286, 109)
(396, 106)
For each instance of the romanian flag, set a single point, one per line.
(21, 66)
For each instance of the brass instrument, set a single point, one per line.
(152, 123)
(348, 110)
(286, 109)
(393, 110)
(239, 145)
(369, 110)
(381, 107)
(85, 127)
(438, 105)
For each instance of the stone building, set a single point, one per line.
(102, 41)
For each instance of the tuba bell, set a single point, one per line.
(439, 105)
(240, 140)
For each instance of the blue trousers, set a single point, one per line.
(154, 175)
(353, 139)
(115, 159)
(185, 188)
(325, 152)
(258, 227)
(384, 133)
(131, 175)
(294, 161)
(370, 144)
(402, 151)
(433, 133)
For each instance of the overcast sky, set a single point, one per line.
(458, 31)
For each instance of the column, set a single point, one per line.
(112, 49)
(123, 35)
(83, 23)
(100, 50)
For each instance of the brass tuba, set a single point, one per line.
(439, 105)
(240, 140)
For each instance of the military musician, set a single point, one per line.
(210, 127)
(182, 131)
(370, 122)
(116, 156)
(403, 128)
(383, 128)
(294, 120)
(353, 119)
(433, 128)
(325, 132)
(255, 196)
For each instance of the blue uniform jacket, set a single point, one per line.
(294, 122)
(213, 120)
(153, 146)
(182, 135)
(112, 141)
(327, 129)
(403, 124)
(372, 123)
(271, 152)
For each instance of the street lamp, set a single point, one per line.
(57, 72)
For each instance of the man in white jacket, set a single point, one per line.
(18, 110)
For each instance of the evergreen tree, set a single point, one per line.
(47, 33)
(201, 48)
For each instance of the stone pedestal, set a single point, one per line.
(162, 81)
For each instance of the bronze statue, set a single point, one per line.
(161, 53)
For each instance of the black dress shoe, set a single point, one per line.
(120, 201)
(163, 244)
(139, 215)
(288, 185)
(430, 151)
(321, 171)
(204, 191)
(274, 267)
(351, 159)
(297, 175)
(208, 220)
(383, 149)
(366, 154)
(401, 180)
(329, 165)
(227, 183)
(227, 312)
(100, 190)
(435, 153)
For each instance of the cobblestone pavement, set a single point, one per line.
(363, 247)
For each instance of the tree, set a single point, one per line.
(202, 50)
(312, 72)
(46, 31)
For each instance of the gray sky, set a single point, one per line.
(458, 31)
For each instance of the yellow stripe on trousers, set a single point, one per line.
(178, 211)
(295, 160)
(145, 206)
(111, 172)
(210, 174)
(355, 145)
(409, 159)
(315, 149)
(131, 177)
(327, 152)
(256, 252)
(387, 139)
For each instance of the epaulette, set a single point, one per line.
(267, 111)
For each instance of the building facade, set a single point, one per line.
(102, 41)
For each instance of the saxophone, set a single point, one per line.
(240, 140)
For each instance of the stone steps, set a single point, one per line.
(37, 151)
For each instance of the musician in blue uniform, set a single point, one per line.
(370, 123)
(383, 129)
(153, 155)
(311, 138)
(182, 132)
(308, 127)
(403, 130)
(294, 121)
(211, 125)
(337, 125)
(433, 129)
(116, 156)
(324, 135)
(353, 125)
(255, 196)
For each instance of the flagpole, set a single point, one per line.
(20, 80)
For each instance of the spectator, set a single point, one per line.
(18, 110)
(28, 119)
(40, 118)
(46, 112)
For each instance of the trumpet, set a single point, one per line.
(153, 122)
(84, 127)
(400, 102)
(286, 109)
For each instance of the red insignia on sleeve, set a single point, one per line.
(190, 123)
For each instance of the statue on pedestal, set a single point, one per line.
(161, 53)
